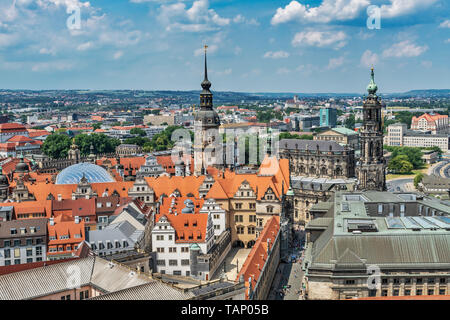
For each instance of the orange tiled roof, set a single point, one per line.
(19, 138)
(257, 257)
(272, 174)
(429, 117)
(78, 207)
(12, 127)
(37, 133)
(167, 163)
(167, 185)
(30, 207)
(189, 227)
(65, 226)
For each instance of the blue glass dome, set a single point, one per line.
(74, 173)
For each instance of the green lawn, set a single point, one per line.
(408, 176)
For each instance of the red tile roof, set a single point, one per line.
(12, 127)
(257, 257)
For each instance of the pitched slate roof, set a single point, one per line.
(311, 145)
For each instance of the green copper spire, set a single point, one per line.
(372, 87)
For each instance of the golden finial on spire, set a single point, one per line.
(206, 47)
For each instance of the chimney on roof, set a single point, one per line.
(52, 221)
(59, 197)
(77, 219)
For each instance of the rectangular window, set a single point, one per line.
(16, 253)
(442, 280)
(395, 292)
(160, 262)
(30, 260)
(407, 292)
(29, 252)
(419, 292)
(419, 280)
(430, 292)
(431, 280)
(184, 262)
(7, 253)
(441, 292)
(16, 243)
(29, 242)
(177, 273)
(7, 243)
(349, 282)
(184, 249)
(173, 262)
(16, 261)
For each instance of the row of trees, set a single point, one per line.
(58, 144)
(287, 135)
(159, 142)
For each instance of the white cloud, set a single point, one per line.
(85, 46)
(329, 10)
(52, 66)
(241, 19)
(343, 10)
(198, 18)
(333, 63)
(283, 71)
(276, 54)
(368, 59)
(320, 39)
(237, 50)
(404, 48)
(50, 51)
(445, 24)
(118, 55)
(403, 7)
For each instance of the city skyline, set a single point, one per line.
(253, 46)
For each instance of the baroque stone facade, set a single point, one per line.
(321, 159)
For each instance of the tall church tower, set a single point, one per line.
(205, 119)
(370, 169)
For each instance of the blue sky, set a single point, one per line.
(255, 46)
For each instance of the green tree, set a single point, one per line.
(138, 131)
(350, 122)
(97, 125)
(101, 143)
(418, 179)
(413, 154)
(56, 145)
(287, 135)
(400, 164)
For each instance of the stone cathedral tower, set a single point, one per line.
(370, 169)
(206, 127)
